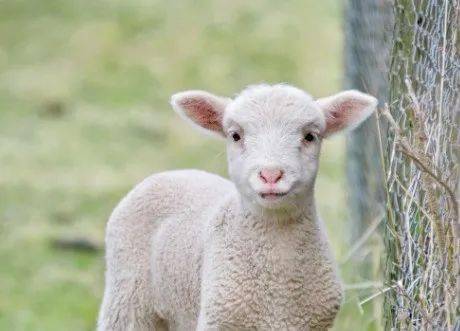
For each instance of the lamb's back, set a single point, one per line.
(179, 193)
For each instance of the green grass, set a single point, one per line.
(84, 115)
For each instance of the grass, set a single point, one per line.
(84, 115)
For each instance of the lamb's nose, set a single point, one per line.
(270, 176)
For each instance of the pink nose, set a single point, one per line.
(270, 176)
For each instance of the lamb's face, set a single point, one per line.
(274, 136)
(273, 142)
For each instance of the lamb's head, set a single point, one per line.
(274, 136)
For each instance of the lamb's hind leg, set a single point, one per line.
(128, 302)
(126, 306)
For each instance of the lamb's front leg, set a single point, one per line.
(204, 325)
(223, 305)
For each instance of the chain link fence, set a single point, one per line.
(421, 168)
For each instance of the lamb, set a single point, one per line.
(189, 250)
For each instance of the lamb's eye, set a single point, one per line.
(309, 137)
(236, 136)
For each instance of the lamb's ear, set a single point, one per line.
(202, 108)
(346, 110)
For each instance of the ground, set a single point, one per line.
(84, 115)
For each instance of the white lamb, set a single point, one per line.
(189, 250)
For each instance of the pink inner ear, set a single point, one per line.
(343, 114)
(202, 112)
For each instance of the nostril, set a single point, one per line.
(270, 176)
(261, 176)
(279, 176)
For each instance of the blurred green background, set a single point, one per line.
(84, 115)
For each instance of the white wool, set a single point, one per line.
(190, 250)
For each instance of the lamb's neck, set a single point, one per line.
(303, 211)
(286, 230)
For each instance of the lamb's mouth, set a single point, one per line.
(272, 195)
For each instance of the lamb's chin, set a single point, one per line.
(272, 201)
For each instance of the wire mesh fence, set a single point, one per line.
(421, 168)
